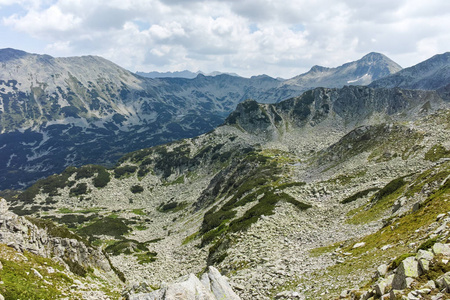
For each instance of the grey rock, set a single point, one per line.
(384, 286)
(440, 248)
(409, 267)
(443, 282)
(212, 286)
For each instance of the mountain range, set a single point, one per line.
(338, 192)
(59, 112)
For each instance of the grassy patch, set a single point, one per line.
(172, 206)
(380, 202)
(358, 195)
(139, 212)
(190, 238)
(20, 282)
(115, 227)
(436, 153)
(135, 189)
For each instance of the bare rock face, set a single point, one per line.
(212, 286)
(22, 235)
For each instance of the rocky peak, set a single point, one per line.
(361, 72)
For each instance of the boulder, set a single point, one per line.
(440, 248)
(443, 282)
(384, 286)
(409, 267)
(424, 258)
(382, 270)
(212, 286)
(219, 285)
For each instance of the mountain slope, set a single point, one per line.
(57, 112)
(371, 67)
(431, 74)
(275, 198)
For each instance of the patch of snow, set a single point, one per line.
(10, 159)
(357, 79)
(39, 154)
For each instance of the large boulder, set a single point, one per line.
(213, 286)
(409, 267)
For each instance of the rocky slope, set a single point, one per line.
(42, 260)
(59, 112)
(298, 199)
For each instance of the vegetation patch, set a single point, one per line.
(358, 195)
(139, 211)
(20, 282)
(126, 246)
(115, 227)
(124, 171)
(436, 153)
(172, 206)
(79, 189)
(56, 230)
(135, 189)
(389, 189)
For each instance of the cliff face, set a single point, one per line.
(23, 234)
(344, 108)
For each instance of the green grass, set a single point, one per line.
(380, 202)
(19, 281)
(139, 212)
(358, 195)
(115, 227)
(436, 153)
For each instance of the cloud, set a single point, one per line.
(279, 38)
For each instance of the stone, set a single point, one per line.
(1, 266)
(36, 273)
(424, 257)
(438, 296)
(395, 294)
(409, 267)
(219, 285)
(440, 248)
(359, 245)
(1, 297)
(384, 286)
(3, 206)
(439, 217)
(382, 270)
(443, 282)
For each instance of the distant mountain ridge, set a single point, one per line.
(180, 74)
(57, 112)
(431, 74)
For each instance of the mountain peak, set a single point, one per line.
(370, 67)
(10, 54)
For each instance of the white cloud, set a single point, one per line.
(279, 38)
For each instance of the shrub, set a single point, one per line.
(136, 189)
(358, 195)
(125, 170)
(79, 189)
(390, 188)
(115, 227)
(102, 178)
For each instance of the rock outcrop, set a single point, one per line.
(211, 286)
(22, 235)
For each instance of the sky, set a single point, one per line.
(247, 37)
